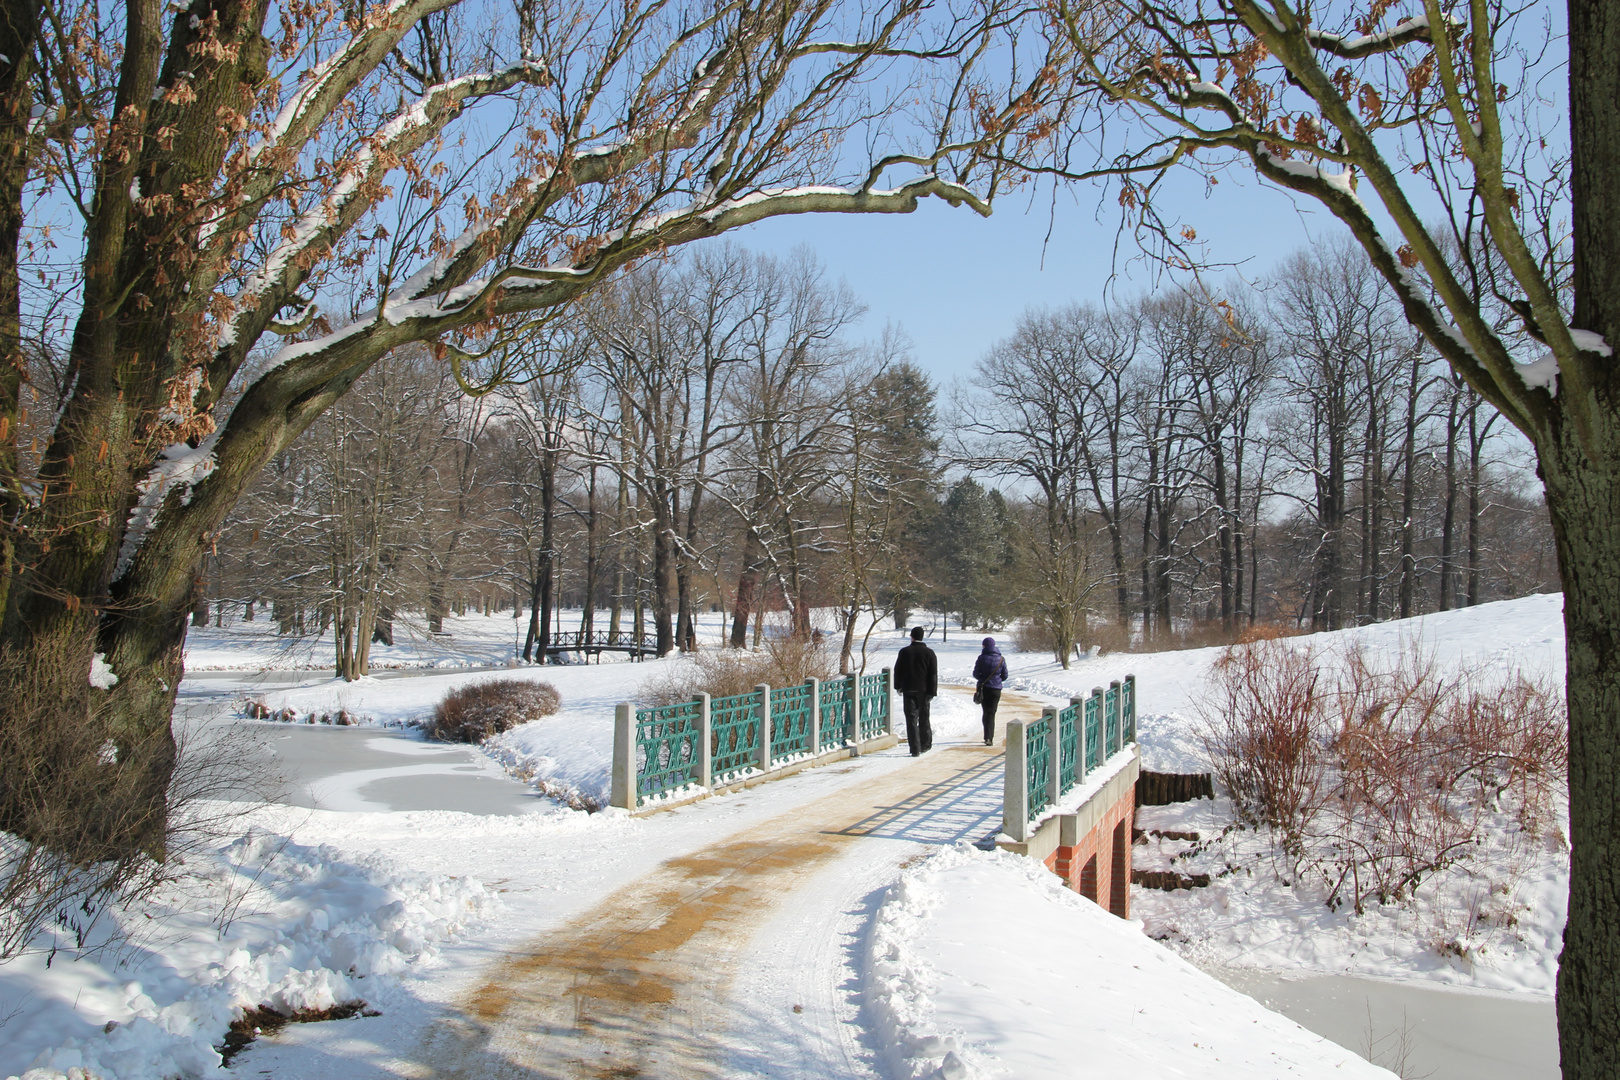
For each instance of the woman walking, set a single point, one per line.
(989, 670)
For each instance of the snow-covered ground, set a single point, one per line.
(984, 964)
(432, 897)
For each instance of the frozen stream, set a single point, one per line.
(1441, 1034)
(350, 769)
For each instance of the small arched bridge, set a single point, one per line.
(597, 642)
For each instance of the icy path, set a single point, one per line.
(718, 963)
(562, 876)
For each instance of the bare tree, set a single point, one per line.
(1443, 108)
(231, 177)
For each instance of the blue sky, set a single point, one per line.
(957, 282)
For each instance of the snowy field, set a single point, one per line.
(391, 884)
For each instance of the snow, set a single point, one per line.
(1588, 341)
(1365, 41)
(178, 465)
(897, 961)
(983, 964)
(258, 920)
(101, 673)
(1540, 374)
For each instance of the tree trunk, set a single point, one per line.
(1409, 487)
(748, 600)
(663, 583)
(1584, 502)
(1448, 527)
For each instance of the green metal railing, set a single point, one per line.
(667, 747)
(735, 723)
(1094, 742)
(1057, 754)
(1111, 714)
(660, 750)
(790, 722)
(835, 712)
(1069, 770)
(1038, 763)
(874, 705)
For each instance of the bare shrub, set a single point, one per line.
(784, 661)
(1110, 637)
(62, 871)
(1263, 732)
(1377, 777)
(1034, 635)
(474, 713)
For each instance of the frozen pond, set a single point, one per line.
(350, 768)
(1442, 1034)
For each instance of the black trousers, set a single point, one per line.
(919, 732)
(991, 699)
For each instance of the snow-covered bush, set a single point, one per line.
(473, 713)
(1374, 777)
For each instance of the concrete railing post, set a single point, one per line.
(1079, 704)
(1119, 717)
(1015, 784)
(705, 743)
(623, 792)
(815, 715)
(1130, 681)
(888, 700)
(852, 720)
(1054, 756)
(764, 693)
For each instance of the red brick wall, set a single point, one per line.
(1099, 866)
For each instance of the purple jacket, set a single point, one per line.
(990, 668)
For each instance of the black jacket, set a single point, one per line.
(917, 670)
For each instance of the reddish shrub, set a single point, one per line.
(474, 713)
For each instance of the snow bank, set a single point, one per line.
(256, 921)
(982, 964)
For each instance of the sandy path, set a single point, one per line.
(641, 987)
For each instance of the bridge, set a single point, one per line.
(598, 642)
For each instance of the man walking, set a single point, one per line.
(916, 676)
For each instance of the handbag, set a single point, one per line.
(978, 692)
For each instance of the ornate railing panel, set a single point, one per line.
(874, 706)
(835, 706)
(1111, 716)
(667, 748)
(1038, 763)
(735, 723)
(790, 722)
(1093, 733)
(1068, 747)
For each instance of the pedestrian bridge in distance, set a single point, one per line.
(598, 642)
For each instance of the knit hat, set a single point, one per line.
(916, 633)
(989, 644)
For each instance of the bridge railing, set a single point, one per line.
(694, 747)
(610, 640)
(1049, 757)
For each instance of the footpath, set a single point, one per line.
(653, 982)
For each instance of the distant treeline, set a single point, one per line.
(707, 433)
